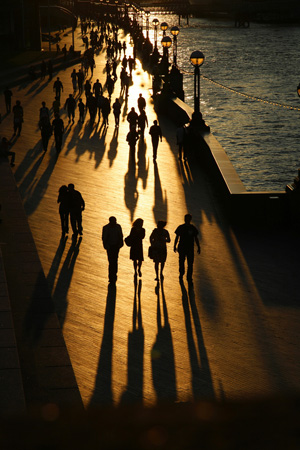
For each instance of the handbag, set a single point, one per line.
(128, 241)
(150, 252)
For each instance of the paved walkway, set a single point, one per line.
(233, 335)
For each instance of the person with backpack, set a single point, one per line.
(76, 206)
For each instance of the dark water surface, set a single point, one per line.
(261, 61)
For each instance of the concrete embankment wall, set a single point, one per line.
(246, 208)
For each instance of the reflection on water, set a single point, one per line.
(260, 139)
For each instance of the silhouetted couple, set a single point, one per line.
(71, 204)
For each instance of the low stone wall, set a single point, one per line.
(262, 209)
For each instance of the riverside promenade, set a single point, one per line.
(233, 334)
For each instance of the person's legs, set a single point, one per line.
(139, 265)
(73, 223)
(155, 145)
(79, 222)
(162, 265)
(182, 256)
(190, 262)
(112, 255)
(156, 264)
(62, 221)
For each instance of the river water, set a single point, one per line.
(261, 61)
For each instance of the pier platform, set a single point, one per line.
(231, 335)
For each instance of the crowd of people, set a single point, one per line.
(71, 203)
(185, 240)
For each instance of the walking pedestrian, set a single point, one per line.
(132, 118)
(64, 209)
(105, 110)
(58, 129)
(135, 238)
(132, 138)
(187, 235)
(56, 106)
(156, 134)
(112, 238)
(97, 89)
(181, 142)
(18, 117)
(44, 112)
(142, 122)
(7, 97)
(76, 206)
(74, 80)
(70, 106)
(80, 79)
(141, 103)
(58, 87)
(81, 108)
(117, 111)
(158, 253)
(5, 152)
(46, 130)
(87, 88)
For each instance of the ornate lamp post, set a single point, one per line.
(147, 14)
(175, 31)
(197, 59)
(166, 43)
(164, 27)
(155, 23)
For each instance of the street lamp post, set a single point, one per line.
(155, 23)
(197, 59)
(166, 43)
(147, 14)
(175, 31)
(164, 27)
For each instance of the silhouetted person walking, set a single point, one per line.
(5, 152)
(181, 137)
(7, 97)
(136, 237)
(58, 129)
(81, 107)
(46, 131)
(132, 118)
(58, 87)
(142, 122)
(70, 106)
(18, 117)
(117, 111)
(155, 132)
(158, 240)
(132, 138)
(64, 208)
(141, 103)
(187, 235)
(112, 237)
(76, 205)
